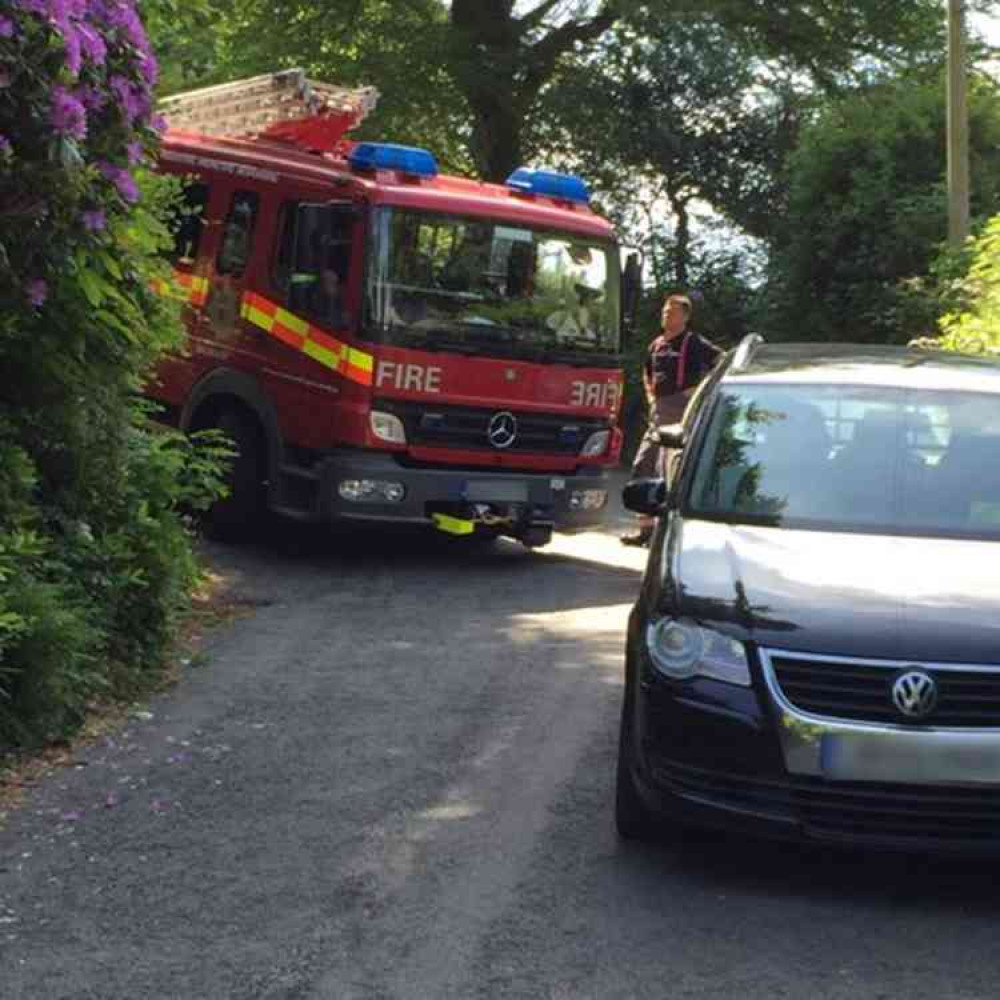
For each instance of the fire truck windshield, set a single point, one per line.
(485, 287)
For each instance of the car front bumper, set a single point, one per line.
(710, 754)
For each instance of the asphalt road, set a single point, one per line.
(394, 779)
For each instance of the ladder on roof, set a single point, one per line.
(283, 105)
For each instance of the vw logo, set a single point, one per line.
(502, 429)
(914, 694)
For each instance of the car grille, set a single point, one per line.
(849, 809)
(898, 812)
(861, 691)
(466, 427)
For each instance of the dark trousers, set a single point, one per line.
(652, 460)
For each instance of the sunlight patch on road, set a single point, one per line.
(449, 811)
(588, 639)
(597, 547)
(570, 624)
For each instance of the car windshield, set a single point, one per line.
(443, 282)
(852, 458)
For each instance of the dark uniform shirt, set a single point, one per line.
(673, 367)
(676, 365)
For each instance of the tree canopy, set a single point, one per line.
(477, 70)
(866, 209)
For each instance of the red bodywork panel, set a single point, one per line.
(322, 403)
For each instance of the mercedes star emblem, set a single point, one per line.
(914, 694)
(502, 429)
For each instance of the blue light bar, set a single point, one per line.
(563, 186)
(386, 156)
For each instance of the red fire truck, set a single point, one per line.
(383, 342)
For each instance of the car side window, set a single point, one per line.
(189, 224)
(237, 235)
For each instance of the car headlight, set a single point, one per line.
(681, 649)
(596, 444)
(387, 427)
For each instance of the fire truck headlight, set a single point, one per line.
(596, 444)
(387, 427)
(371, 490)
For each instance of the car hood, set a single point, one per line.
(841, 594)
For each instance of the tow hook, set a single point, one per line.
(535, 535)
(487, 516)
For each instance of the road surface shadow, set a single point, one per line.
(752, 866)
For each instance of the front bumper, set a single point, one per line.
(489, 496)
(710, 754)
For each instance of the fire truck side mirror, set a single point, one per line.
(631, 290)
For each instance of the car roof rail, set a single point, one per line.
(745, 350)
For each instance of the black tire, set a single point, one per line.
(633, 819)
(239, 516)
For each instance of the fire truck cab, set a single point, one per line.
(383, 342)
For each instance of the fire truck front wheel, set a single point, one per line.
(237, 516)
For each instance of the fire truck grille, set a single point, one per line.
(468, 428)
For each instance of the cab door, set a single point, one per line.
(313, 290)
(191, 227)
(221, 333)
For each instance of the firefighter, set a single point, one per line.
(678, 359)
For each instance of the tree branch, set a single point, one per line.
(534, 18)
(541, 57)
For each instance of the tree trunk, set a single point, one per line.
(682, 238)
(500, 64)
(496, 139)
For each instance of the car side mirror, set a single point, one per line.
(645, 496)
(671, 436)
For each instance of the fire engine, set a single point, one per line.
(382, 342)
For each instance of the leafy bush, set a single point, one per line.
(95, 553)
(867, 211)
(975, 327)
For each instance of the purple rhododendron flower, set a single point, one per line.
(123, 181)
(134, 151)
(6, 27)
(93, 99)
(149, 68)
(122, 17)
(33, 6)
(95, 220)
(68, 115)
(134, 103)
(5, 147)
(93, 45)
(38, 292)
(74, 48)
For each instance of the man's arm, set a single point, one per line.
(647, 376)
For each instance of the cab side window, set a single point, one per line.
(312, 264)
(284, 254)
(189, 223)
(237, 235)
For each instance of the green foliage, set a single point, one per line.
(396, 47)
(974, 328)
(866, 212)
(95, 552)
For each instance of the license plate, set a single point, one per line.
(925, 758)
(496, 491)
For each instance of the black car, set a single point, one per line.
(815, 651)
